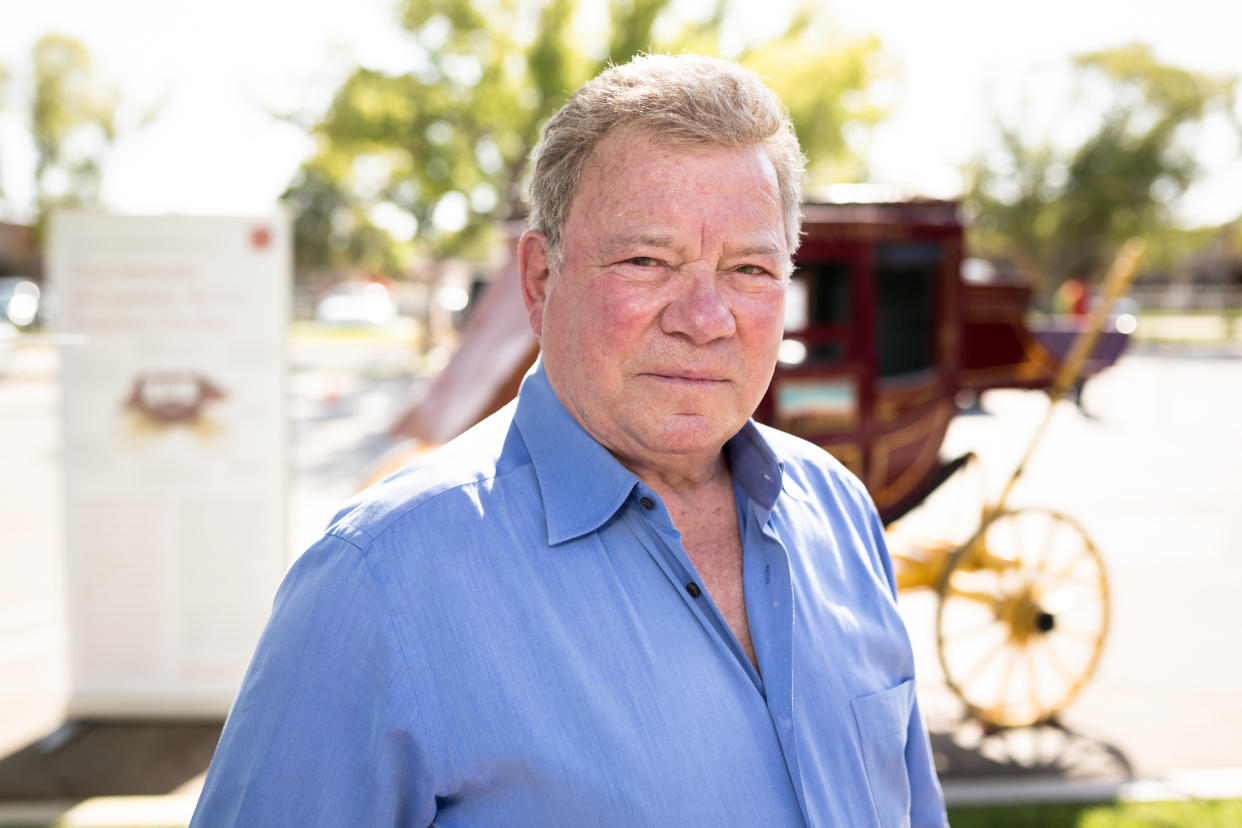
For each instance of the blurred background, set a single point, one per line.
(393, 137)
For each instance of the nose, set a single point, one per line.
(698, 311)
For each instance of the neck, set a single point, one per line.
(681, 477)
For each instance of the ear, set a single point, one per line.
(533, 260)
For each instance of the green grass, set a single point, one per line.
(1196, 314)
(307, 329)
(1217, 813)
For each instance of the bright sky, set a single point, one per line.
(219, 67)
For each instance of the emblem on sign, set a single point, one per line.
(163, 400)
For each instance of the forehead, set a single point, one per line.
(634, 176)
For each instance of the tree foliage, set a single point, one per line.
(72, 121)
(823, 78)
(1061, 213)
(428, 160)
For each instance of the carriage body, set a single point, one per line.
(884, 332)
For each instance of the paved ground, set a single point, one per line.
(1154, 474)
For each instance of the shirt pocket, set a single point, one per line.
(883, 721)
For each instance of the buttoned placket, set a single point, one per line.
(769, 603)
(770, 611)
(648, 520)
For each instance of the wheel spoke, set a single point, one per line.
(1007, 676)
(1046, 553)
(1032, 679)
(1081, 636)
(1094, 584)
(1066, 600)
(1050, 654)
(958, 636)
(983, 662)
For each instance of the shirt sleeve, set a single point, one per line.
(319, 733)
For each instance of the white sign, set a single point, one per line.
(174, 452)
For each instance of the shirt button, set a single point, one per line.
(647, 503)
(693, 589)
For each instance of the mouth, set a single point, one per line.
(687, 378)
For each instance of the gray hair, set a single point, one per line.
(685, 100)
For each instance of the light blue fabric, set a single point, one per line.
(502, 636)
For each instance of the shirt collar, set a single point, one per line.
(583, 485)
(754, 466)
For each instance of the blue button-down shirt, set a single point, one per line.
(511, 634)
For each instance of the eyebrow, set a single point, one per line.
(640, 238)
(656, 240)
(760, 250)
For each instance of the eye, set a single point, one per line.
(752, 270)
(643, 261)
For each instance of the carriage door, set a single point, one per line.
(816, 389)
(910, 413)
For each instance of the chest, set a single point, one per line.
(712, 540)
(607, 702)
(572, 682)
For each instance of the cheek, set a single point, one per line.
(611, 320)
(589, 337)
(763, 318)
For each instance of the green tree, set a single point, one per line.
(429, 160)
(1061, 213)
(823, 77)
(72, 123)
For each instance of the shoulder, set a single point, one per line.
(431, 538)
(454, 479)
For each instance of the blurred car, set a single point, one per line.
(19, 301)
(356, 303)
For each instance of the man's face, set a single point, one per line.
(660, 331)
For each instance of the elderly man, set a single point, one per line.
(618, 601)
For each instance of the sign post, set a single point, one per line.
(174, 451)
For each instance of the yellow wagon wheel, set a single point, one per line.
(1022, 617)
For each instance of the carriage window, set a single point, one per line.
(819, 352)
(819, 294)
(819, 297)
(905, 293)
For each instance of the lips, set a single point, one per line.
(681, 375)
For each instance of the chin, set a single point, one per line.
(692, 438)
